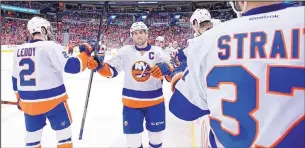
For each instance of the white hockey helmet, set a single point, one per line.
(138, 26)
(216, 22)
(200, 15)
(160, 38)
(40, 25)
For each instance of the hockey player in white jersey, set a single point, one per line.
(38, 83)
(142, 94)
(201, 21)
(247, 74)
(160, 42)
(216, 22)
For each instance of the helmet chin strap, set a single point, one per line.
(238, 13)
(46, 38)
(198, 34)
(198, 30)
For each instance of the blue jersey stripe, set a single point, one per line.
(182, 108)
(41, 94)
(142, 94)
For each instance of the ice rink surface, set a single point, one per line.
(103, 126)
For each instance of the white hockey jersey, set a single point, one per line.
(140, 89)
(248, 75)
(37, 74)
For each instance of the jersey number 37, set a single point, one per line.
(280, 80)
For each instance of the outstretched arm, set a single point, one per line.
(108, 69)
(61, 61)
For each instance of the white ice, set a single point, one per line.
(103, 126)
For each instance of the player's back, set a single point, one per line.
(39, 77)
(253, 78)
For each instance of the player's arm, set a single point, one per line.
(181, 56)
(188, 101)
(109, 69)
(14, 76)
(61, 61)
(14, 80)
(163, 68)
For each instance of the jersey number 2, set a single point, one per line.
(27, 72)
(280, 80)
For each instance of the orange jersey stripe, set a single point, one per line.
(66, 145)
(68, 111)
(141, 104)
(37, 108)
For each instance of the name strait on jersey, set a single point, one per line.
(277, 44)
(26, 52)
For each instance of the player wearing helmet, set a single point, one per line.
(216, 22)
(201, 21)
(248, 77)
(142, 94)
(38, 83)
(160, 42)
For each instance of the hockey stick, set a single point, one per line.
(91, 74)
(8, 102)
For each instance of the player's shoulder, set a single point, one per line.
(289, 16)
(296, 10)
(293, 15)
(53, 43)
(45, 45)
(156, 48)
(53, 46)
(159, 50)
(126, 48)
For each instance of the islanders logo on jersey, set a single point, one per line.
(140, 71)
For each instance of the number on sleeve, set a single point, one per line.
(65, 54)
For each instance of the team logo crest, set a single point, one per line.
(140, 71)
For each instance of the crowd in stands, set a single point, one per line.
(28, 4)
(83, 26)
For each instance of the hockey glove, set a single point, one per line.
(175, 62)
(161, 69)
(87, 48)
(96, 63)
(181, 68)
(18, 105)
(177, 74)
(18, 101)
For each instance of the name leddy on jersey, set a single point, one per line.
(24, 52)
